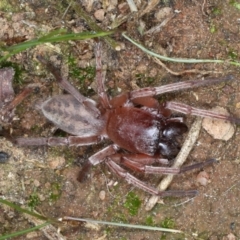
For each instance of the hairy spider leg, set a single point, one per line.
(108, 155)
(8, 100)
(186, 109)
(181, 107)
(142, 185)
(66, 85)
(100, 77)
(16, 101)
(58, 141)
(172, 87)
(129, 161)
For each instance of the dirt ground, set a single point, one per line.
(44, 178)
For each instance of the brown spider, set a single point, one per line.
(134, 121)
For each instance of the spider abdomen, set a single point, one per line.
(73, 117)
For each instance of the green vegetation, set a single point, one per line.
(167, 223)
(80, 73)
(49, 221)
(213, 28)
(232, 54)
(60, 35)
(143, 81)
(33, 201)
(235, 4)
(132, 203)
(55, 192)
(18, 80)
(63, 151)
(149, 221)
(179, 60)
(216, 11)
(85, 76)
(5, 6)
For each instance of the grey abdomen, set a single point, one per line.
(72, 116)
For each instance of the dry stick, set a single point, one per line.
(92, 24)
(132, 6)
(151, 6)
(158, 28)
(180, 159)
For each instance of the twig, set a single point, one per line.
(180, 159)
(151, 5)
(158, 28)
(65, 12)
(120, 20)
(132, 5)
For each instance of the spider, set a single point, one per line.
(135, 122)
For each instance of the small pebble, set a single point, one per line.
(42, 197)
(238, 105)
(102, 195)
(56, 163)
(99, 15)
(203, 178)
(231, 236)
(123, 7)
(36, 183)
(219, 129)
(32, 235)
(163, 13)
(92, 226)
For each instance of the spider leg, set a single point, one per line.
(96, 159)
(142, 94)
(153, 91)
(186, 109)
(66, 85)
(100, 77)
(136, 182)
(103, 154)
(143, 168)
(58, 141)
(140, 158)
(8, 100)
(8, 108)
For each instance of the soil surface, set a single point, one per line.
(45, 178)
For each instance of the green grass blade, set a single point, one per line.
(143, 227)
(15, 234)
(178, 60)
(55, 36)
(16, 207)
